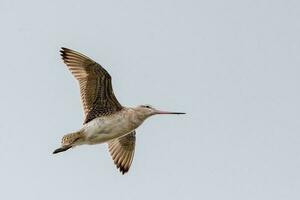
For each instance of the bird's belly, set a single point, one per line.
(102, 130)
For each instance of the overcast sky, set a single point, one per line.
(232, 65)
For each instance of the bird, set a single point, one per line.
(106, 120)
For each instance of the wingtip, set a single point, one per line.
(64, 49)
(123, 170)
(63, 52)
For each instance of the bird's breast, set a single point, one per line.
(103, 129)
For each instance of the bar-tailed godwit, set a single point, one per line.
(106, 120)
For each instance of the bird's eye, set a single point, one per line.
(147, 106)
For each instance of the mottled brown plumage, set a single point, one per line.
(96, 91)
(106, 120)
(98, 99)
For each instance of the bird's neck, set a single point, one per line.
(136, 117)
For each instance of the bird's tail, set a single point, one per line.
(69, 141)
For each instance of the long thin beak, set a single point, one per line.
(167, 112)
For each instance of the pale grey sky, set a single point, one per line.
(232, 65)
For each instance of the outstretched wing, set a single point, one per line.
(95, 85)
(122, 151)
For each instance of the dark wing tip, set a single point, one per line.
(122, 169)
(72, 55)
(65, 49)
(63, 52)
(67, 54)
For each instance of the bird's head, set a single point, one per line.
(148, 110)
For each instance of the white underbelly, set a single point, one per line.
(103, 129)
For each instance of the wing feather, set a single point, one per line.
(122, 151)
(96, 91)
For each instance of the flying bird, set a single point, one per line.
(106, 120)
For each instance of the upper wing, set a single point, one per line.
(122, 151)
(95, 85)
